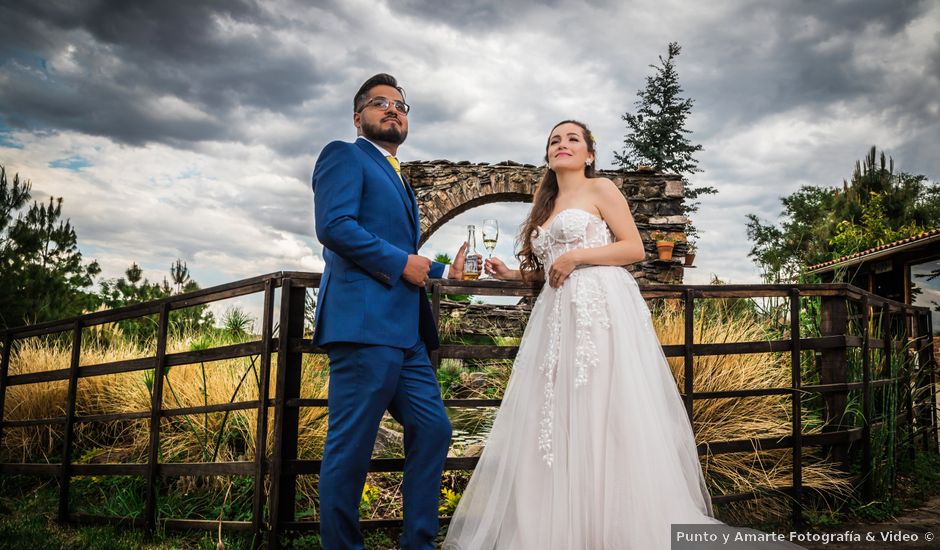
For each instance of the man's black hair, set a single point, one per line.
(382, 78)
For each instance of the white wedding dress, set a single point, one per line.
(591, 448)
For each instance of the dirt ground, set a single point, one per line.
(922, 523)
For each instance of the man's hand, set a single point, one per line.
(456, 267)
(416, 270)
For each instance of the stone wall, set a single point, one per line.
(445, 189)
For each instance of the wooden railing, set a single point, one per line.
(849, 318)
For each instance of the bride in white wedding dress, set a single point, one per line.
(591, 448)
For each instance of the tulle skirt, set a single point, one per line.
(591, 447)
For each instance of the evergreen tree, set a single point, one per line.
(823, 223)
(657, 136)
(180, 274)
(42, 275)
(134, 288)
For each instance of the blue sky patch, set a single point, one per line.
(75, 162)
(6, 140)
(6, 136)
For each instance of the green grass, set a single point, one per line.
(378, 539)
(27, 520)
(917, 481)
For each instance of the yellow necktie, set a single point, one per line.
(394, 162)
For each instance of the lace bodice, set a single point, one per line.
(571, 229)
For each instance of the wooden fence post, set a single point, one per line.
(65, 475)
(932, 375)
(866, 403)
(909, 381)
(4, 370)
(834, 369)
(436, 311)
(286, 418)
(797, 402)
(156, 404)
(261, 426)
(689, 340)
(924, 343)
(927, 407)
(887, 342)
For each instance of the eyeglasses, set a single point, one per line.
(383, 103)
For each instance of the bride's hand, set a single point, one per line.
(562, 267)
(496, 268)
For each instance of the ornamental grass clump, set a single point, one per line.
(729, 419)
(204, 437)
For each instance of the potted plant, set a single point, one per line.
(689, 252)
(664, 244)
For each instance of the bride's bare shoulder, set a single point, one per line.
(604, 189)
(602, 184)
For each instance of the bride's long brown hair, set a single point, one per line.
(543, 203)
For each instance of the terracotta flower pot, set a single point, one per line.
(689, 257)
(664, 249)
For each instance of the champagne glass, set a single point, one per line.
(490, 236)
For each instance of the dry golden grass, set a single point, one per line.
(198, 437)
(749, 417)
(204, 437)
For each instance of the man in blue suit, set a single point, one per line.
(374, 319)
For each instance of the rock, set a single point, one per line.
(389, 441)
(474, 450)
(675, 188)
(485, 319)
(473, 380)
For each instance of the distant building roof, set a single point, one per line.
(878, 251)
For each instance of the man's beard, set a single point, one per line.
(392, 134)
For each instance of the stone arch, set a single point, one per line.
(441, 218)
(445, 189)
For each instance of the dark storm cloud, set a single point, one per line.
(856, 15)
(130, 54)
(780, 57)
(472, 13)
(174, 28)
(481, 15)
(99, 107)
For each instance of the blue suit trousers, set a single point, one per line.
(365, 381)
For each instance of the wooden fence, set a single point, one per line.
(849, 318)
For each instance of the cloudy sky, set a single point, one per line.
(188, 129)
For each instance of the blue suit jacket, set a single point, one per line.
(368, 224)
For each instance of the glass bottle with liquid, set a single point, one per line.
(474, 263)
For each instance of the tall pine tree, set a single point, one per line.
(42, 276)
(657, 136)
